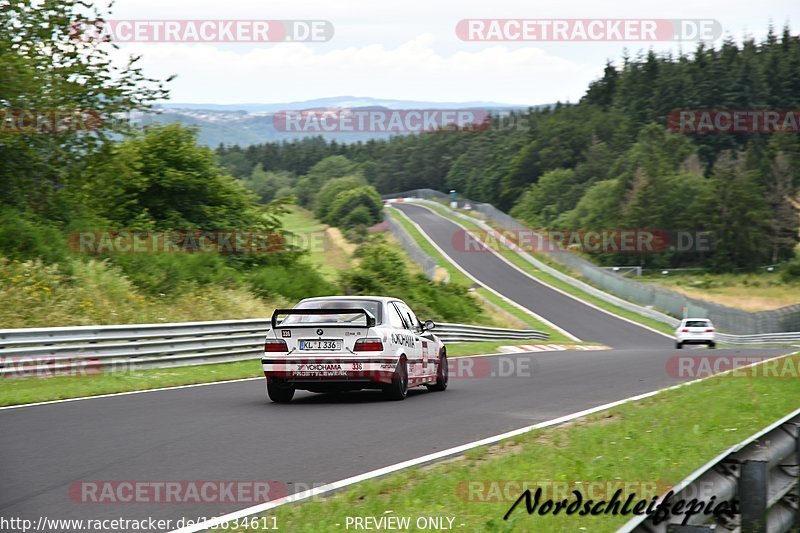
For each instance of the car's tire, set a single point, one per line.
(678, 345)
(279, 392)
(398, 390)
(442, 375)
(712, 344)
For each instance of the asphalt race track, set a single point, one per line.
(588, 324)
(230, 431)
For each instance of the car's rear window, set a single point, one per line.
(374, 308)
(696, 323)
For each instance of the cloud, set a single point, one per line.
(388, 50)
(412, 70)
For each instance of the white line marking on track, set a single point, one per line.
(112, 394)
(473, 278)
(584, 302)
(522, 348)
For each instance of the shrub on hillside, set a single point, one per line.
(382, 271)
(22, 238)
(294, 282)
(347, 202)
(327, 195)
(170, 273)
(791, 271)
(35, 294)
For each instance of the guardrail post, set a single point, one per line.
(797, 481)
(753, 496)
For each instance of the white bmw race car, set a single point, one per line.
(347, 343)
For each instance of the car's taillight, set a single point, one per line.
(368, 345)
(275, 345)
(684, 330)
(709, 331)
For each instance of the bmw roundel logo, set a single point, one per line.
(320, 332)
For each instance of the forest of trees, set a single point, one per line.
(61, 184)
(607, 162)
(334, 188)
(610, 161)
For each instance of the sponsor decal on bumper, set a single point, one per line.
(360, 369)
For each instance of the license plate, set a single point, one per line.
(321, 345)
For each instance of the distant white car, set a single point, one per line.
(347, 343)
(695, 331)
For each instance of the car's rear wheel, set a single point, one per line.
(279, 391)
(441, 375)
(399, 386)
(712, 344)
(678, 345)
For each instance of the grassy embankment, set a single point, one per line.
(37, 295)
(749, 291)
(457, 276)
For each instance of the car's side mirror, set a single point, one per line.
(429, 325)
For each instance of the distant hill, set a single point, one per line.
(339, 102)
(251, 123)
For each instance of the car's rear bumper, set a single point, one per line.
(696, 339)
(330, 369)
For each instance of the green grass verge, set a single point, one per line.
(325, 255)
(751, 291)
(42, 389)
(549, 279)
(653, 442)
(456, 276)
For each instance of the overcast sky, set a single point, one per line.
(408, 49)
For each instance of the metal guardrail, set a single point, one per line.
(414, 251)
(50, 351)
(585, 287)
(464, 333)
(762, 474)
(762, 338)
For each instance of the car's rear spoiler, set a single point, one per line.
(343, 311)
